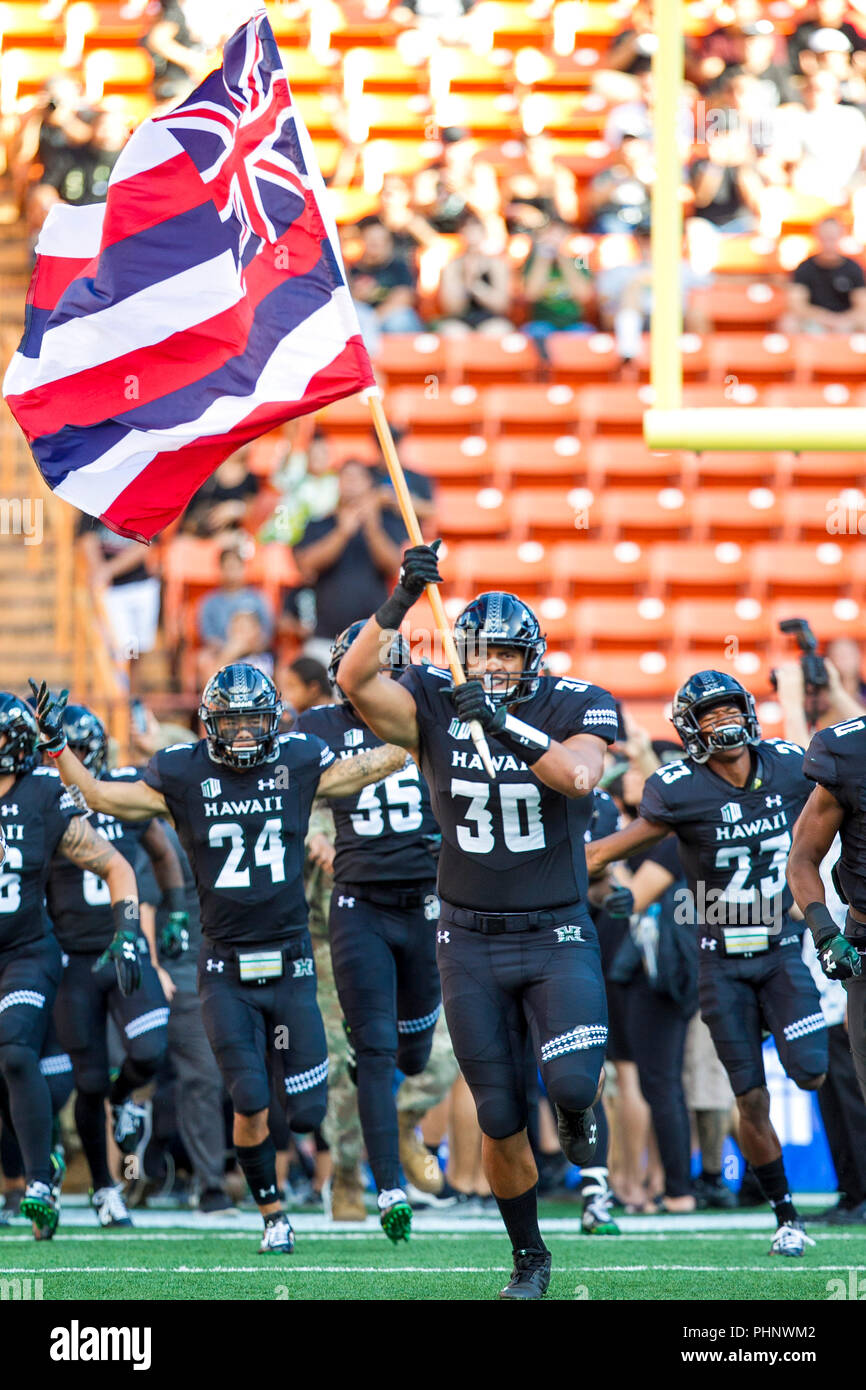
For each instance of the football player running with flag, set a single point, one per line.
(41, 819)
(732, 803)
(382, 930)
(240, 799)
(517, 951)
(97, 982)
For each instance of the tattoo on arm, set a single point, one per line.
(351, 774)
(84, 847)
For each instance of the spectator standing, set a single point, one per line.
(116, 567)
(821, 141)
(557, 286)
(620, 197)
(474, 289)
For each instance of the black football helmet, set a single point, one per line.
(502, 620)
(19, 735)
(241, 698)
(87, 737)
(399, 655)
(701, 692)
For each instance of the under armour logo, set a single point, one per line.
(218, 965)
(9, 810)
(593, 1133)
(443, 936)
(708, 943)
(772, 800)
(266, 784)
(829, 963)
(345, 902)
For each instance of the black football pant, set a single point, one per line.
(656, 1032)
(385, 971)
(84, 1003)
(843, 1111)
(56, 1066)
(29, 976)
(259, 1031)
(498, 990)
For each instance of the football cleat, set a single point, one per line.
(447, 1196)
(530, 1277)
(597, 1218)
(578, 1134)
(395, 1214)
(844, 1213)
(110, 1208)
(713, 1193)
(132, 1124)
(790, 1239)
(40, 1206)
(278, 1237)
(58, 1171)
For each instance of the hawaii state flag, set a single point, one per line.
(203, 304)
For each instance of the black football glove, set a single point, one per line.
(840, 959)
(123, 951)
(619, 902)
(471, 701)
(49, 716)
(174, 936)
(420, 567)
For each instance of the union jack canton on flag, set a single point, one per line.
(202, 305)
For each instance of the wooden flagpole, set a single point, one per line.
(410, 520)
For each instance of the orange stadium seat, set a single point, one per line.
(745, 254)
(610, 462)
(550, 513)
(609, 409)
(695, 357)
(639, 513)
(461, 70)
(646, 623)
(386, 114)
(525, 407)
(407, 358)
(623, 675)
(381, 70)
(836, 469)
(734, 468)
(508, 24)
(828, 617)
(449, 458)
(24, 22)
(832, 357)
(770, 356)
(733, 306)
(23, 71)
(807, 511)
(706, 621)
(471, 511)
(480, 358)
(351, 415)
(831, 393)
(564, 113)
(578, 358)
(305, 72)
(481, 113)
(691, 568)
(728, 513)
(554, 72)
(602, 566)
(796, 570)
(457, 410)
(349, 205)
(116, 70)
(537, 459)
(752, 668)
(522, 567)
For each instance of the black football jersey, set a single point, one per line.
(514, 844)
(386, 833)
(733, 841)
(79, 901)
(836, 759)
(243, 831)
(34, 814)
(605, 816)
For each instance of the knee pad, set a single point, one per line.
(810, 1082)
(308, 1115)
(147, 1051)
(575, 1091)
(16, 1062)
(249, 1093)
(413, 1052)
(500, 1118)
(377, 1034)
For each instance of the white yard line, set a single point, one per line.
(275, 1270)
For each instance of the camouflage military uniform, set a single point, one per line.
(342, 1127)
(418, 1094)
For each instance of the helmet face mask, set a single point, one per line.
(499, 621)
(19, 736)
(397, 659)
(240, 709)
(87, 738)
(708, 690)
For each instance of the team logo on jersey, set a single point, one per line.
(352, 738)
(211, 787)
(772, 801)
(304, 966)
(732, 811)
(458, 730)
(569, 934)
(431, 907)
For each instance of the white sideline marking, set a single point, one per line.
(291, 1268)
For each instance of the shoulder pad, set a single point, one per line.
(672, 772)
(176, 747)
(325, 706)
(284, 738)
(782, 745)
(437, 671)
(46, 772)
(577, 687)
(849, 726)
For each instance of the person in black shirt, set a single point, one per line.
(384, 281)
(348, 557)
(827, 293)
(240, 800)
(41, 819)
(732, 803)
(517, 951)
(382, 930)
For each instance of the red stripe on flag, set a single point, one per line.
(51, 276)
(100, 393)
(166, 484)
(153, 196)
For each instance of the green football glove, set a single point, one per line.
(49, 716)
(122, 950)
(840, 959)
(173, 937)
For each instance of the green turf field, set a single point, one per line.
(155, 1262)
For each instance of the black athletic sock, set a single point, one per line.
(520, 1215)
(378, 1114)
(90, 1123)
(131, 1076)
(774, 1185)
(29, 1103)
(10, 1152)
(259, 1166)
(707, 1175)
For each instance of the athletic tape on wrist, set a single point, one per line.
(820, 923)
(529, 743)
